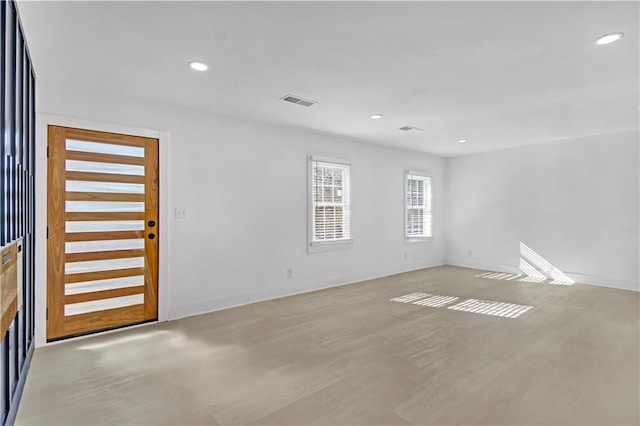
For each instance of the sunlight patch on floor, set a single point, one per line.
(534, 269)
(410, 297)
(489, 307)
(436, 301)
(485, 307)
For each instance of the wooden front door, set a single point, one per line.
(102, 235)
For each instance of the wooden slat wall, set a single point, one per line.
(105, 158)
(102, 255)
(104, 294)
(60, 325)
(55, 224)
(103, 275)
(103, 196)
(8, 286)
(17, 199)
(152, 201)
(97, 236)
(104, 177)
(102, 320)
(94, 216)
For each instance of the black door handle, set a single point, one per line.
(151, 236)
(151, 223)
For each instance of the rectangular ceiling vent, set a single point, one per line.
(298, 100)
(408, 128)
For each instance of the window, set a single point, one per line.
(418, 215)
(330, 213)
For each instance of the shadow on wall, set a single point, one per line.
(534, 267)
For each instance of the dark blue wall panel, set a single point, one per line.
(17, 198)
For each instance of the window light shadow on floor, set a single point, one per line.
(488, 307)
(499, 276)
(436, 301)
(534, 268)
(485, 307)
(410, 297)
(543, 266)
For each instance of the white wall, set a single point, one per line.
(574, 202)
(244, 185)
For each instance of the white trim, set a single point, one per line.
(294, 289)
(418, 173)
(579, 278)
(417, 239)
(413, 240)
(334, 160)
(321, 246)
(42, 121)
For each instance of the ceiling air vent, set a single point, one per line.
(298, 100)
(408, 128)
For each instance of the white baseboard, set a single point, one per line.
(290, 289)
(619, 283)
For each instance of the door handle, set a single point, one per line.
(151, 223)
(151, 236)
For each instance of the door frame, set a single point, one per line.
(44, 120)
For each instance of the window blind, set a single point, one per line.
(331, 208)
(418, 223)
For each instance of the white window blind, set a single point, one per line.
(330, 199)
(418, 219)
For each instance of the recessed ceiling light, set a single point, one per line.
(198, 66)
(376, 116)
(463, 141)
(609, 38)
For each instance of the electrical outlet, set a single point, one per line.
(181, 212)
(405, 256)
(289, 273)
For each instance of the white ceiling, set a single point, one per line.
(500, 74)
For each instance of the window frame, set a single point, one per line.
(327, 245)
(424, 176)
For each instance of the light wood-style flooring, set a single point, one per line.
(350, 356)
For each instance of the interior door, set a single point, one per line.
(102, 235)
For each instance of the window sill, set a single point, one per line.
(322, 246)
(413, 240)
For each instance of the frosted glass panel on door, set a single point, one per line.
(85, 186)
(104, 206)
(105, 226)
(107, 245)
(110, 284)
(103, 265)
(101, 305)
(97, 167)
(104, 148)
